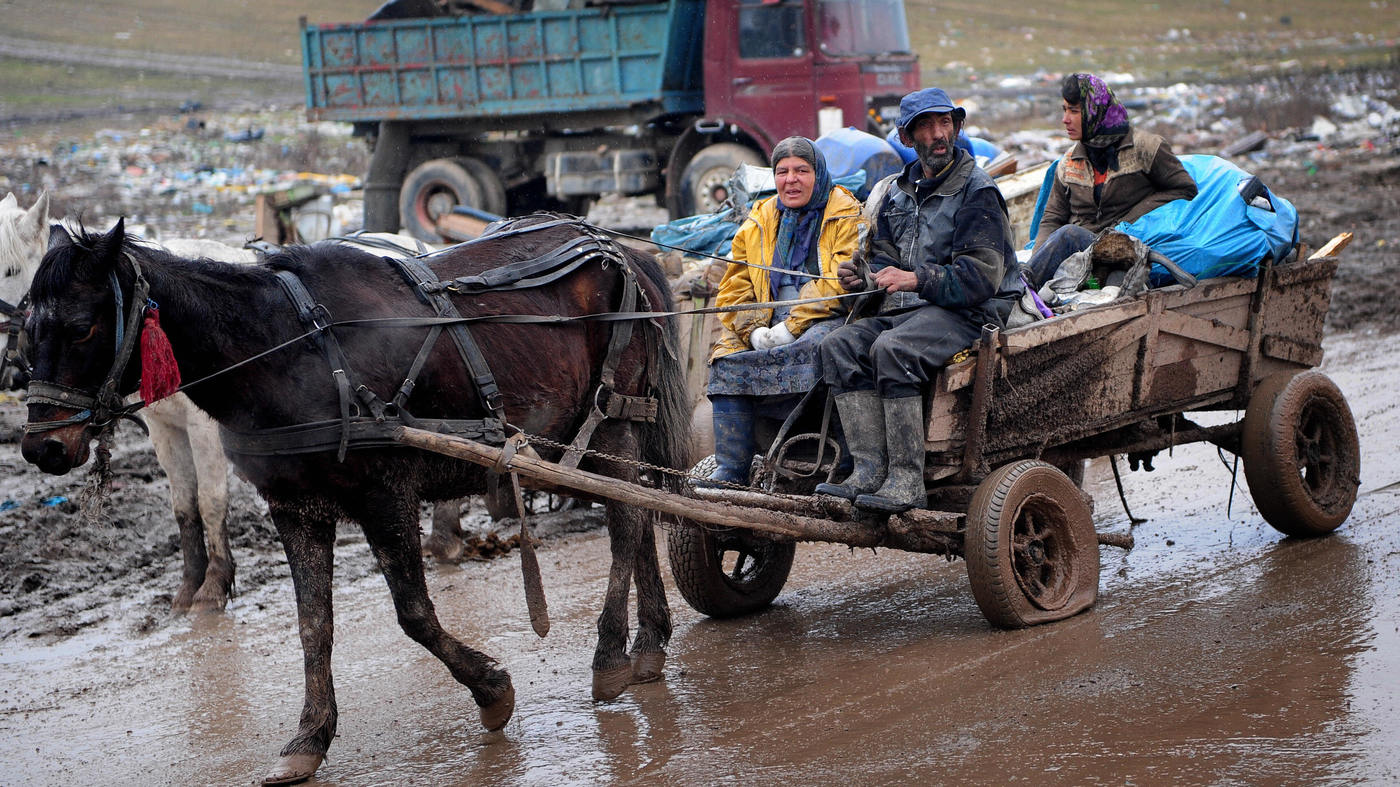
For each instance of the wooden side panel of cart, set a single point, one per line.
(1173, 350)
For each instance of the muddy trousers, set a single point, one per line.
(896, 355)
(1050, 252)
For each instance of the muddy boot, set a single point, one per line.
(734, 440)
(904, 441)
(863, 423)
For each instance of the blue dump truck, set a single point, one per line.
(552, 104)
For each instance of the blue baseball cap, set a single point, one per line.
(930, 99)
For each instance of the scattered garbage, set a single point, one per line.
(54, 501)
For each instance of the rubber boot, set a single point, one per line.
(904, 443)
(734, 438)
(863, 424)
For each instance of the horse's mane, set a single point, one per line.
(61, 262)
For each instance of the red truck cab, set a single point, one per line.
(777, 68)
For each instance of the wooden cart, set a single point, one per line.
(1008, 429)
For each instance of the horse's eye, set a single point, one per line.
(90, 333)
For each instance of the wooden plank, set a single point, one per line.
(1038, 333)
(1210, 331)
(1146, 365)
(1291, 350)
(1333, 247)
(762, 519)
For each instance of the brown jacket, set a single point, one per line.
(1149, 175)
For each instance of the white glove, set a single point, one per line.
(768, 338)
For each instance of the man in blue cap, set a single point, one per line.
(942, 258)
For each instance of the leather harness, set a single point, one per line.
(14, 323)
(356, 429)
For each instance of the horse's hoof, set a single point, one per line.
(495, 715)
(293, 769)
(608, 684)
(646, 666)
(183, 598)
(444, 548)
(209, 600)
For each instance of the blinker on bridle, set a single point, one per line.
(104, 406)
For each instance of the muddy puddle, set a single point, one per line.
(1218, 652)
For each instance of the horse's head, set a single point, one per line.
(87, 298)
(22, 239)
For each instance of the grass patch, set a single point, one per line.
(964, 40)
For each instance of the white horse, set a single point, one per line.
(187, 442)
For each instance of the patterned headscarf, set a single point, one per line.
(799, 227)
(1104, 118)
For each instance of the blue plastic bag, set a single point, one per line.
(1232, 224)
(850, 150)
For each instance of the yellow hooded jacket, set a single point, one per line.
(755, 243)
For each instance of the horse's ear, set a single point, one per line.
(9, 201)
(38, 215)
(59, 237)
(110, 245)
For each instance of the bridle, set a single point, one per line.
(14, 323)
(105, 405)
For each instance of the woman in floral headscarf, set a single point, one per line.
(787, 249)
(1113, 173)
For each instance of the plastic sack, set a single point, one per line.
(850, 150)
(1232, 224)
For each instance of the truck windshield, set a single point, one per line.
(862, 27)
(769, 29)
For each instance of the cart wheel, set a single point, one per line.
(1032, 554)
(1301, 454)
(724, 572)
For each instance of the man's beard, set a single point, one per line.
(935, 162)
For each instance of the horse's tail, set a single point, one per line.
(667, 441)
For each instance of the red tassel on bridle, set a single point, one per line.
(160, 375)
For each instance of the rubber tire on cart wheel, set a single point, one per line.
(725, 572)
(431, 190)
(1032, 553)
(1302, 456)
(702, 188)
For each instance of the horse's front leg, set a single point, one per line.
(653, 613)
(308, 538)
(393, 537)
(211, 474)
(173, 454)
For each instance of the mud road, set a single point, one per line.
(1218, 652)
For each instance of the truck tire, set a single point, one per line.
(433, 189)
(703, 184)
(493, 191)
(1032, 553)
(1302, 456)
(725, 572)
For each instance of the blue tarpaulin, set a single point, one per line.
(713, 233)
(1232, 224)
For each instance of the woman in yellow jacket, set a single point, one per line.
(767, 355)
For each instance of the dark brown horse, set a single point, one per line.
(217, 315)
